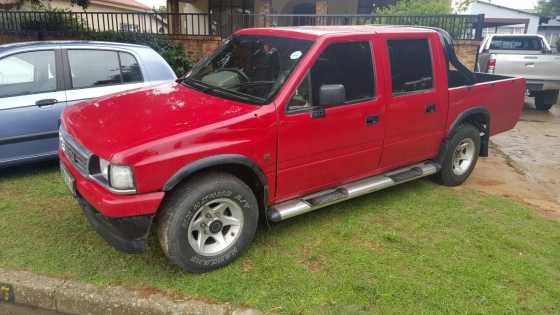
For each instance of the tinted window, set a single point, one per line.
(516, 43)
(130, 68)
(349, 64)
(28, 73)
(91, 68)
(411, 65)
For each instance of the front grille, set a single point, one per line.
(74, 152)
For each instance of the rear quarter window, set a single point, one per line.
(516, 43)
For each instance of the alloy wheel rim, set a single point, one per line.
(215, 227)
(463, 156)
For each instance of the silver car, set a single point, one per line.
(527, 56)
(39, 79)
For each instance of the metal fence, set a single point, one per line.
(200, 24)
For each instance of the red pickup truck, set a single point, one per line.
(276, 123)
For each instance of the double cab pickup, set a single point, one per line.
(276, 123)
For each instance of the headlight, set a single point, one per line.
(104, 169)
(117, 177)
(121, 177)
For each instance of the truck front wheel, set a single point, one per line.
(208, 222)
(460, 157)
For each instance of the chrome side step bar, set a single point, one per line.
(292, 208)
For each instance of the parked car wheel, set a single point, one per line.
(208, 222)
(461, 156)
(545, 100)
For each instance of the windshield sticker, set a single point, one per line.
(296, 55)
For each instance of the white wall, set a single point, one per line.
(491, 11)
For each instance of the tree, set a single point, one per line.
(412, 7)
(549, 7)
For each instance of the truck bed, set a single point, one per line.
(503, 97)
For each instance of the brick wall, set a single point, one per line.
(466, 52)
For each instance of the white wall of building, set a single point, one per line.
(495, 12)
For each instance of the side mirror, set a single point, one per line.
(332, 94)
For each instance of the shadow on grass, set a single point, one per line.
(11, 172)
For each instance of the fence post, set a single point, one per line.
(479, 26)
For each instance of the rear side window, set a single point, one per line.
(28, 73)
(93, 68)
(411, 65)
(516, 43)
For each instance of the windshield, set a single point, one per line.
(249, 68)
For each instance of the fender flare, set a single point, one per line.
(484, 141)
(216, 160)
(472, 111)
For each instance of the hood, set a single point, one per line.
(118, 122)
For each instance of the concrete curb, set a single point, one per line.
(73, 297)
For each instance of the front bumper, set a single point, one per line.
(128, 235)
(542, 85)
(124, 221)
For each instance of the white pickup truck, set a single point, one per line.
(527, 56)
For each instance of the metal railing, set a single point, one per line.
(201, 24)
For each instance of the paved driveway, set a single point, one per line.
(534, 147)
(525, 165)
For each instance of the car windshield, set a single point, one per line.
(249, 68)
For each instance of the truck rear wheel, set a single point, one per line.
(208, 222)
(461, 156)
(544, 100)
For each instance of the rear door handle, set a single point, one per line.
(372, 120)
(431, 108)
(46, 102)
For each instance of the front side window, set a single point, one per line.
(411, 65)
(249, 68)
(347, 64)
(93, 68)
(28, 73)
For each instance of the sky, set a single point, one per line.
(516, 4)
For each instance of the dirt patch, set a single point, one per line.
(524, 163)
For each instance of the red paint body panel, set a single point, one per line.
(160, 130)
(109, 204)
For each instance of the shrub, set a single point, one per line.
(50, 20)
(172, 52)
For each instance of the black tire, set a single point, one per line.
(447, 176)
(545, 99)
(186, 201)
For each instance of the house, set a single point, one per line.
(504, 20)
(550, 29)
(120, 15)
(224, 16)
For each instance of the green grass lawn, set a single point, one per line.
(417, 248)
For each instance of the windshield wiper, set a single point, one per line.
(254, 83)
(204, 87)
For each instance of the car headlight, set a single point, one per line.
(121, 177)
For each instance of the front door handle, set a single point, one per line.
(372, 120)
(431, 108)
(46, 102)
